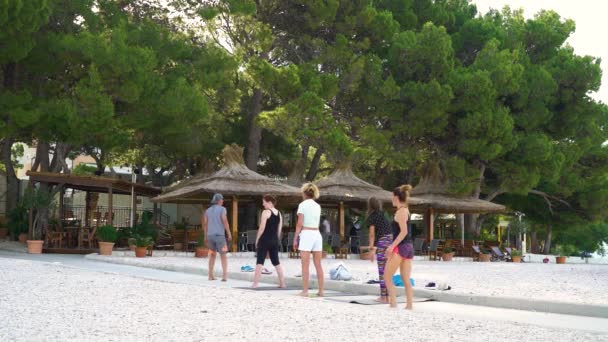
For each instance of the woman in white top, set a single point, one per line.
(307, 229)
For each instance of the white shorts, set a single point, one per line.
(310, 241)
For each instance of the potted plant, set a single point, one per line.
(106, 235)
(18, 223)
(201, 251)
(327, 249)
(141, 244)
(561, 252)
(179, 231)
(447, 253)
(516, 255)
(367, 253)
(485, 256)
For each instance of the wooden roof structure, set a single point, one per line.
(432, 192)
(234, 179)
(99, 184)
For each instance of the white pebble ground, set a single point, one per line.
(572, 283)
(47, 302)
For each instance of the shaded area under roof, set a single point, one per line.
(93, 183)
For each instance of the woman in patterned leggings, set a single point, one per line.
(380, 237)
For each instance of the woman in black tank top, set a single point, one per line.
(267, 240)
(401, 249)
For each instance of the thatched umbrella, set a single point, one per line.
(432, 197)
(232, 180)
(343, 187)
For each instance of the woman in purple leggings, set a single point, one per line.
(380, 237)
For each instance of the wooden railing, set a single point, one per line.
(121, 216)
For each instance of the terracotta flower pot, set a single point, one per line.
(485, 257)
(447, 256)
(201, 252)
(140, 252)
(132, 247)
(3, 233)
(560, 259)
(366, 256)
(178, 246)
(516, 259)
(105, 248)
(34, 246)
(22, 237)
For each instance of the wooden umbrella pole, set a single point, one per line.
(110, 206)
(429, 225)
(235, 222)
(341, 217)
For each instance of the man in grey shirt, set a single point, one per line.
(215, 226)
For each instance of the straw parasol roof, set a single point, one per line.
(232, 179)
(343, 185)
(432, 193)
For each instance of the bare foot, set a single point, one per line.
(254, 286)
(409, 307)
(211, 278)
(224, 279)
(282, 286)
(381, 300)
(303, 294)
(320, 294)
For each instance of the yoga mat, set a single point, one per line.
(370, 300)
(268, 288)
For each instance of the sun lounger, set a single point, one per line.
(497, 254)
(476, 253)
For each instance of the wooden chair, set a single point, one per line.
(341, 252)
(434, 248)
(468, 248)
(457, 247)
(418, 245)
(87, 235)
(54, 238)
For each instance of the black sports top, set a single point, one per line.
(272, 228)
(397, 230)
(380, 223)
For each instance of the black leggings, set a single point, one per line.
(271, 248)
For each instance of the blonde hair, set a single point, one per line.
(403, 193)
(310, 190)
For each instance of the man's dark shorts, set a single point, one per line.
(217, 243)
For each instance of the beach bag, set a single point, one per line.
(340, 273)
(399, 282)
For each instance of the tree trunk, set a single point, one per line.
(314, 166)
(12, 182)
(380, 176)
(255, 131)
(548, 240)
(534, 242)
(470, 224)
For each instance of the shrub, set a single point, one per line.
(515, 253)
(141, 241)
(447, 250)
(327, 247)
(18, 220)
(107, 234)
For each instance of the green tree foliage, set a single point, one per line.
(499, 101)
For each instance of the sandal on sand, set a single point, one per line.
(247, 268)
